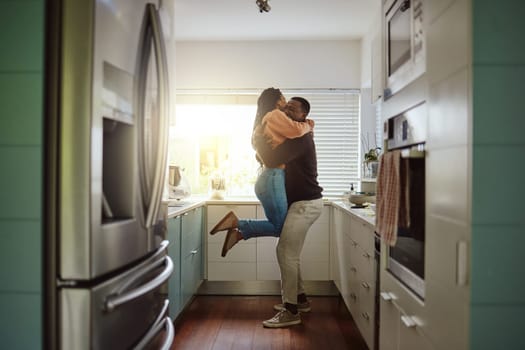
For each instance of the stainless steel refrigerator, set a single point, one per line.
(106, 124)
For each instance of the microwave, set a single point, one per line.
(405, 43)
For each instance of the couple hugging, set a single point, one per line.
(288, 190)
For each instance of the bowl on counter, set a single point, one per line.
(360, 198)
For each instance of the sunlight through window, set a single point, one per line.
(211, 139)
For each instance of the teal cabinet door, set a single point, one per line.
(174, 250)
(191, 253)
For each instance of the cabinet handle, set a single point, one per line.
(185, 214)
(353, 296)
(354, 243)
(387, 296)
(366, 316)
(365, 285)
(462, 263)
(353, 269)
(408, 321)
(194, 252)
(366, 255)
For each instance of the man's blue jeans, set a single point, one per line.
(271, 192)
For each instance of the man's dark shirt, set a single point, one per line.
(300, 158)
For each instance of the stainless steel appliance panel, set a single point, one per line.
(406, 259)
(116, 313)
(105, 220)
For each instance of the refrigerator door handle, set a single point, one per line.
(121, 297)
(170, 334)
(162, 145)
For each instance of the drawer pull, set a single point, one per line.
(366, 255)
(185, 214)
(365, 285)
(353, 269)
(366, 316)
(408, 321)
(353, 296)
(354, 244)
(194, 251)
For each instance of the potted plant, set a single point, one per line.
(370, 162)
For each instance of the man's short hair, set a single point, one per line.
(304, 103)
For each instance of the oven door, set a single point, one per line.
(406, 260)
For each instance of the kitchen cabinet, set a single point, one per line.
(191, 253)
(399, 330)
(353, 269)
(240, 262)
(174, 283)
(185, 233)
(255, 259)
(404, 318)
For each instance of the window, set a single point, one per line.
(211, 135)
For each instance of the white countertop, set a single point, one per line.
(179, 207)
(365, 214)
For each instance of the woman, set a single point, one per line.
(274, 124)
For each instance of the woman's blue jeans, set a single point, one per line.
(271, 192)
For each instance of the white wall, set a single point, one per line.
(260, 64)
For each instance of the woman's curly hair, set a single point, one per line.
(266, 103)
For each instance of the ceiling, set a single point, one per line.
(287, 19)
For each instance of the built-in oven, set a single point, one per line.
(406, 258)
(405, 43)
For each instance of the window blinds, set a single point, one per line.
(336, 134)
(337, 128)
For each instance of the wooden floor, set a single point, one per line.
(234, 322)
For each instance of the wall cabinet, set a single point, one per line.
(255, 259)
(186, 250)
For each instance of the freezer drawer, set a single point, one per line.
(120, 312)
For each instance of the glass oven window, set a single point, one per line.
(399, 37)
(409, 251)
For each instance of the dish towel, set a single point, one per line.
(392, 205)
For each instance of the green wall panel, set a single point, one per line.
(21, 108)
(20, 321)
(497, 327)
(21, 182)
(497, 188)
(21, 35)
(498, 117)
(497, 266)
(498, 31)
(20, 256)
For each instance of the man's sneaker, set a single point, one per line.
(284, 318)
(301, 307)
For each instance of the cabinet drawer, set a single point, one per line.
(191, 275)
(231, 271)
(365, 265)
(363, 234)
(268, 271)
(239, 253)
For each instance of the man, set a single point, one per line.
(305, 204)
